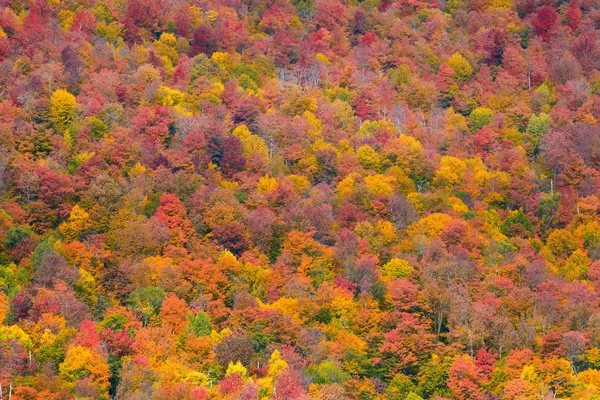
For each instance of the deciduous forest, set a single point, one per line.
(299, 199)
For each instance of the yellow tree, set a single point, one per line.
(368, 158)
(77, 223)
(63, 109)
(461, 67)
(81, 362)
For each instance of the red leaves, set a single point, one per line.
(153, 123)
(464, 380)
(494, 44)
(289, 385)
(172, 213)
(573, 15)
(405, 345)
(545, 22)
(88, 335)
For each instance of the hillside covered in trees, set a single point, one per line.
(299, 199)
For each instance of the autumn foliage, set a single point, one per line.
(299, 199)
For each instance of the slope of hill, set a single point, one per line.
(298, 199)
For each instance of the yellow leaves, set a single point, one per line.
(65, 18)
(386, 232)
(368, 158)
(168, 39)
(450, 172)
(251, 144)
(81, 362)
(172, 369)
(588, 233)
(226, 61)
(432, 225)
(211, 91)
(314, 122)
(400, 75)
(257, 277)
(276, 364)
(196, 378)
(338, 93)
(546, 96)
(296, 23)
(396, 268)
(196, 15)
(225, 184)
(322, 59)
(561, 243)
(165, 48)
(301, 183)
(576, 266)
(403, 183)
(242, 132)
(344, 113)
(590, 377)
(364, 230)
(344, 147)
(298, 105)
(500, 4)
(342, 306)
(236, 368)
(85, 287)
(430, 58)
(165, 96)
(62, 108)
(412, 145)
(417, 201)
(46, 330)
(212, 15)
(529, 374)
(13, 332)
(227, 257)
(266, 184)
(461, 67)
(228, 263)
(47, 337)
(287, 306)
(80, 158)
(379, 184)
(368, 128)
(69, 139)
(137, 170)
(146, 74)
(218, 337)
(456, 120)
(592, 357)
(346, 186)
(77, 223)
(154, 267)
(458, 206)
(111, 31)
(482, 176)
(480, 117)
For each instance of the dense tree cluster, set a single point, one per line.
(299, 199)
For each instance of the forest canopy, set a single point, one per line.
(299, 199)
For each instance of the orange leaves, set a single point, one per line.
(172, 213)
(77, 223)
(81, 362)
(173, 313)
